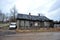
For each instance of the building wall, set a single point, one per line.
(27, 23)
(21, 23)
(46, 24)
(24, 24)
(18, 22)
(41, 24)
(51, 24)
(27, 26)
(56, 25)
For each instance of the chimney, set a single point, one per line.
(38, 14)
(29, 13)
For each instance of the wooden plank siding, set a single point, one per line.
(25, 24)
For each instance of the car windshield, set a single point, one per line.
(12, 24)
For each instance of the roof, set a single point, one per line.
(32, 17)
(56, 22)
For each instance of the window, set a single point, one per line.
(31, 24)
(36, 24)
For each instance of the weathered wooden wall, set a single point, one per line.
(24, 24)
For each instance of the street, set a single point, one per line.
(8, 35)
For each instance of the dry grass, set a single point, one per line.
(41, 30)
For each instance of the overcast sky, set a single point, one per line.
(49, 8)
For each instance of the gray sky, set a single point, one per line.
(49, 8)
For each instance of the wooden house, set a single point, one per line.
(33, 22)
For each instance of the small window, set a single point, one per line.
(31, 24)
(36, 24)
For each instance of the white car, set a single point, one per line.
(12, 25)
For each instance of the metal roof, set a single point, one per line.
(32, 17)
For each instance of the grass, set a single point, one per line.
(4, 25)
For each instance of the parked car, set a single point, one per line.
(12, 25)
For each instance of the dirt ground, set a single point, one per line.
(32, 36)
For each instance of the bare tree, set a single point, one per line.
(14, 13)
(2, 16)
(6, 17)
